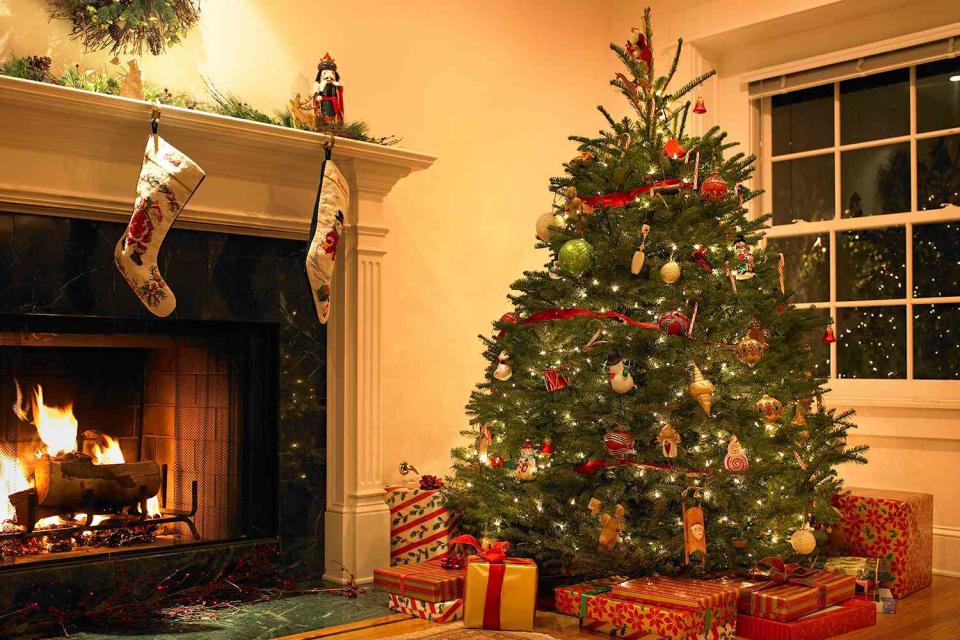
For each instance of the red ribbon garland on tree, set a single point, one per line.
(590, 467)
(622, 198)
(574, 312)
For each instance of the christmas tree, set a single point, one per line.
(649, 403)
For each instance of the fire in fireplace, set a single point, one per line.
(129, 439)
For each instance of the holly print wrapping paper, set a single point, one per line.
(420, 526)
(610, 615)
(892, 525)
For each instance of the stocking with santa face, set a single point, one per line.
(333, 202)
(168, 179)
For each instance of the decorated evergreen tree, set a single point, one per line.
(649, 403)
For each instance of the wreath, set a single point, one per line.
(125, 26)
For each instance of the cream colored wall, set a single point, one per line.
(492, 88)
(912, 449)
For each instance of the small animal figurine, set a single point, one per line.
(620, 379)
(503, 370)
(611, 526)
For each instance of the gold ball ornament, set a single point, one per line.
(544, 222)
(803, 541)
(750, 351)
(770, 408)
(701, 390)
(670, 272)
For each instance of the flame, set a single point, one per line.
(56, 426)
(109, 452)
(12, 480)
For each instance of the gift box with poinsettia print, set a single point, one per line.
(657, 607)
(439, 612)
(891, 525)
(428, 581)
(567, 599)
(420, 526)
(849, 615)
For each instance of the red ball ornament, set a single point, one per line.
(496, 462)
(619, 443)
(673, 149)
(713, 188)
(674, 323)
(508, 318)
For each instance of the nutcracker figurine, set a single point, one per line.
(744, 270)
(328, 92)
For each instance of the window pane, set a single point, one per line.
(874, 107)
(807, 266)
(803, 120)
(871, 342)
(871, 264)
(936, 342)
(938, 172)
(938, 98)
(875, 180)
(936, 260)
(803, 189)
(821, 351)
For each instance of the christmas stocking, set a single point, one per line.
(333, 201)
(167, 181)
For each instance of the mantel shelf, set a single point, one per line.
(68, 152)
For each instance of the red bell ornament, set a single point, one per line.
(714, 188)
(674, 323)
(829, 337)
(674, 150)
(699, 107)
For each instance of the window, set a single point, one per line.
(862, 177)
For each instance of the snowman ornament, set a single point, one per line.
(527, 462)
(620, 379)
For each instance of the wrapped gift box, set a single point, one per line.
(420, 526)
(848, 616)
(427, 581)
(798, 597)
(439, 612)
(569, 598)
(891, 525)
(875, 569)
(500, 595)
(662, 607)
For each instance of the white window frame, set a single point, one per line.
(907, 392)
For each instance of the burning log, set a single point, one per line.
(72, 482)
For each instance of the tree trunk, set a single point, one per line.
(63, 482)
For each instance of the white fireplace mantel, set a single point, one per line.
(71, 153)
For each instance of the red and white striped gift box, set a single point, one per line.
(420, 526)
(427, 581)
(438, 612)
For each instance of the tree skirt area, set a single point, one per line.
(262, 620)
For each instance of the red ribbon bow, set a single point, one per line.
(496, 553)
(779, 573)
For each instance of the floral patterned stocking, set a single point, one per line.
(332, 203)
(168, 179)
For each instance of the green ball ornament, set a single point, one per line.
(576, 256)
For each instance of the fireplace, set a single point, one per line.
(166, 408)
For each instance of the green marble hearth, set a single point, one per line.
(263, 620)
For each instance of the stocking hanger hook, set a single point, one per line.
(155, 118)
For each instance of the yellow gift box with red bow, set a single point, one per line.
(500, 592)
